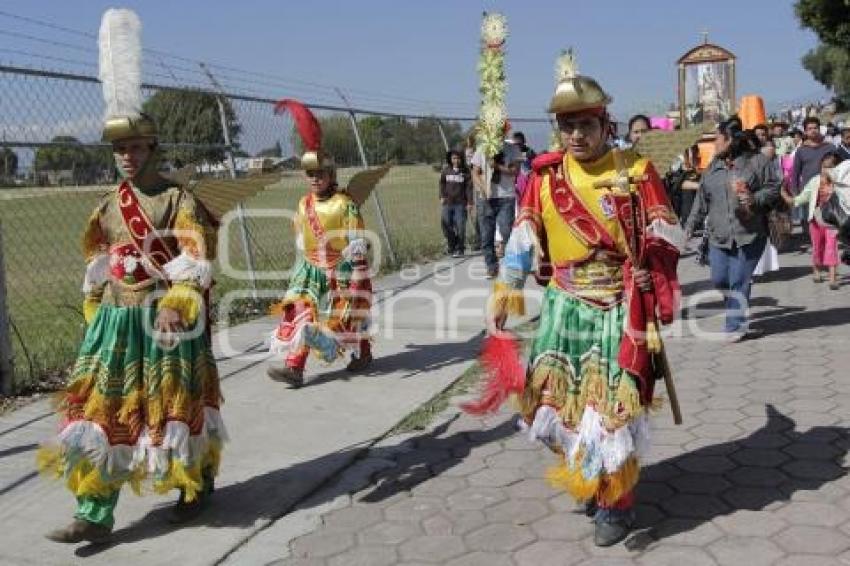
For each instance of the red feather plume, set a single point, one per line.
(307, 124)
(500, 356)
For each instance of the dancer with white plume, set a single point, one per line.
(142, 401)
(597, 229)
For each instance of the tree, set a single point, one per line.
(273, 151)
(8, 163)
(829, 19)
(829, 66)
(192, 117)
(828, 62)
(87, 164)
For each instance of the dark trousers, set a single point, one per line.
(732, 274)
(686, 202)
(478, 212)
(454, 227)
(501, 212)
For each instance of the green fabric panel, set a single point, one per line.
(97, 510)
(572, 327)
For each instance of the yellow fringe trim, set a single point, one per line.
(130, 406)
(189, 480)
(551, 382)
(90, 306)
(170, 400)
(196, 239)
(653, 339)
(606, 489)
(94, 240)
(506, 300)
(84, 479)
(185, 299)
(573, 482)
(624, 407)
(616, 485)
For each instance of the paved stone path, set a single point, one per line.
(754, 476)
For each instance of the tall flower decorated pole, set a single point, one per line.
(491, 69)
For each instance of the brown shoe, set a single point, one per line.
(359, 364)
(78, 531)
(285, 374)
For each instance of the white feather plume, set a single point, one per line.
(120, 43)
(566, 67)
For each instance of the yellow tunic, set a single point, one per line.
(340, 223)
(565, 247)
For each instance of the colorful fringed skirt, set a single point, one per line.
(580, 403)
(324, 311)
(133, 411)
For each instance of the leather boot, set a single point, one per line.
(78, 531)
(285, 374)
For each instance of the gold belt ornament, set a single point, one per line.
(123, 295)
(596, 280)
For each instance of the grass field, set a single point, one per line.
(44, 266)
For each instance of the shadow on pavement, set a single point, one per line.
(270, 496)
(415, 359)
(805, 320)
(751, 473)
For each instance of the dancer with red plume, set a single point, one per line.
(326, 307)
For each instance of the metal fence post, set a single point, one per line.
(6, 363)
(382, 220)
(231, 165)
(443, 134)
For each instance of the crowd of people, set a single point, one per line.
(142, 403)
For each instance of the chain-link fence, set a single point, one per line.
(53, 169)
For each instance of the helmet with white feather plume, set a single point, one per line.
(120, 73)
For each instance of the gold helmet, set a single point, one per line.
(318, 160)
(123, 127)
(574, 92)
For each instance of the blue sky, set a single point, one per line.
(427, 50)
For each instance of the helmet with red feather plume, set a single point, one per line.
(310, 131)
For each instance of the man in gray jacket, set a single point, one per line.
(736, 193)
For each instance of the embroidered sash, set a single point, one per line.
(324, 256)
(144, 235)
(573, 211)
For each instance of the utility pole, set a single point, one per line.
(7, 368)
(378, 207)
(231, 164)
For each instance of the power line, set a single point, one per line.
(287, 83)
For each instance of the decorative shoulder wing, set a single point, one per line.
(363, 183)
(219, 196)
(663, 147)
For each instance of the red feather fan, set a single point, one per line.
(307, 124)
(500, 357)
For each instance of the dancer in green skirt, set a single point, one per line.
(142, 401)
(596, 226)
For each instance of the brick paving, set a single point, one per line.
(754, 476)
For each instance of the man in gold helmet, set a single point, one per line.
(327, 305)
(589, 382)
(142, 400)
